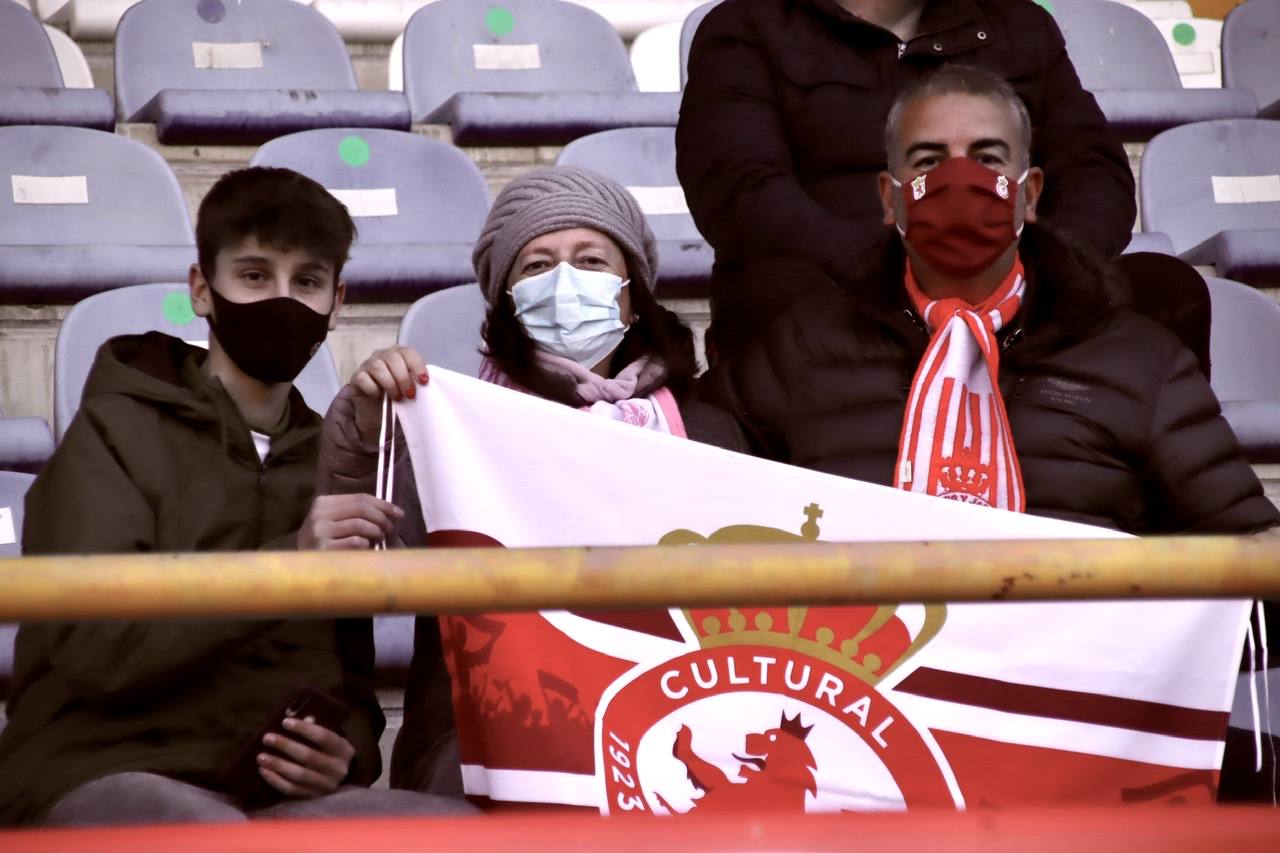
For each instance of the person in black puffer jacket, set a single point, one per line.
(1112, 422)
(778, 144)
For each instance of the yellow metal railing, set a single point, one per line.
(142, 586)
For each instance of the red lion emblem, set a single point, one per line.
(777, 770)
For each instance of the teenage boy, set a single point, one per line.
(175, 449)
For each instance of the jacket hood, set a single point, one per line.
(158, 369)
(150, 367)
(1069, 287)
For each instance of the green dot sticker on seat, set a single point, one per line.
(1184, 34)
(354, 151)
(500, 21)
(177, 309)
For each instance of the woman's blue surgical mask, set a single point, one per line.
(571, 312)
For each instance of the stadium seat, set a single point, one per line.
(1214, 188)
(82, 211)
(643, 159)
(1245, 347)
(395, 65)
(383, 20)
(13, 490)
(1160, 10)
(530, 72)
(445, 328)
(1196, 47)
(1147, 241)
(142, 308)
(393, 649)
(31, 87)
(1123, 60)
(240, 71)
(655, 58)
(418, 204)
(25, 445)
(687, 31)
(1251, 52)
(71, 61)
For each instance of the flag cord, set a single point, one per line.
(1266, 694)
(379, 484)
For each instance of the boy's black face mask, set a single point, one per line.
(270, 340)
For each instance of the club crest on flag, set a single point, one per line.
(777, 708)
(917, 188)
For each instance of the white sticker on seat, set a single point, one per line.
(1195, 63)
(506, 57)
(379, 202)
(38, 189)
(8, 536)
(1246, 189)
(229, 54)
(661, 201)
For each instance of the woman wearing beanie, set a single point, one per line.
(567, 264)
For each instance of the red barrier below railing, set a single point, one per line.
(1237, 830)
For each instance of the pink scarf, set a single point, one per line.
(956, 441)
(614, 398)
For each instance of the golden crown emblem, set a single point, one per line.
(867, 641)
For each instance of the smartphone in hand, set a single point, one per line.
(241, 778)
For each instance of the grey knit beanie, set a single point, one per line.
(553, 199)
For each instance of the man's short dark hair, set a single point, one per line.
(960, 79)
(281, 209)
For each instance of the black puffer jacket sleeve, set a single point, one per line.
(1198, 481)
(1095, 202)
(734, 159)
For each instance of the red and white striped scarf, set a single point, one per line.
(956, 442)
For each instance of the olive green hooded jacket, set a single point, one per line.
(158, 458)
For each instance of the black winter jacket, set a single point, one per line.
(1113, 422)
(781, 129)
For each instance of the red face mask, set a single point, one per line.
(960, 216)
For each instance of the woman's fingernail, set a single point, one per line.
(269, 740)
(290, 723)
(410, 392)
(422, 377)
(262, 758)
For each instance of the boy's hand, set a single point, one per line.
(395, 372)
(347, 522)
(312, 763)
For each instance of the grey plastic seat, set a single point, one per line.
(82, 211)
(240, 71)
(644, 161)
(13, 490)
(1245, 347)
(687, 32)
(445, 328)
(25, 444)
(529, 72)
(1149, 241)
(418, 204)
(143, 308)
(1123, 60)
(1214, 188)
(31, 86)
(1251, 52)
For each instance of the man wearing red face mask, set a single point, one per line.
(978, 356)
